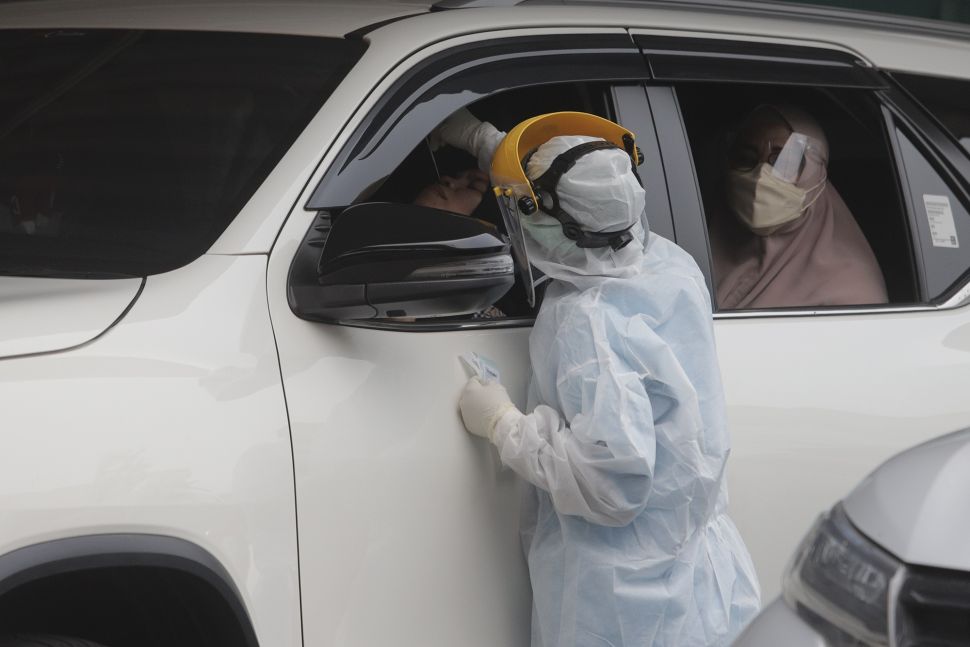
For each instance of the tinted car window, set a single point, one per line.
(128, 153)
(947, 99)
(941, 219)
(503, 110)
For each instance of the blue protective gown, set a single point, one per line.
(626, 528)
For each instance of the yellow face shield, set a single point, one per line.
(516, 194)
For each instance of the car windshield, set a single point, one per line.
(127, 153)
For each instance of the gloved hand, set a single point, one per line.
(482, 404)
(467, 132)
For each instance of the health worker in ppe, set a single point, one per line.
(793, 241)
(625, 528)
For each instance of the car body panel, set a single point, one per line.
(43, 315)
(915, 504)
(778, 625)
(173, 424)
(408, 524)
(816, 403)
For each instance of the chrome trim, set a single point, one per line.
(959, 299)
(892, 603)
(435, 326)
(826, 312)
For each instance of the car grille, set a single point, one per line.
(933, 609)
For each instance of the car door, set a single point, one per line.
(817, 397)
(408, 525)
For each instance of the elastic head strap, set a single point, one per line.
(547, 183)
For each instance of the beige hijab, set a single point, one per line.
(821, 258)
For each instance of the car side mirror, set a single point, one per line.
(381, 260)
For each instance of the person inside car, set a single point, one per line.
(460, 194)
(625, 526)
(793, 241)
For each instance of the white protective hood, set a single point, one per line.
(602, 194)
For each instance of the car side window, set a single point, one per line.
(128, 152)
(942, 220)
(424, 167)
(947, 99)
(834, 233)
(388, 158)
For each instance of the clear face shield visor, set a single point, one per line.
(788, 163)
(799, 153)
(513, 202)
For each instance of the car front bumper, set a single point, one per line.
(778, 625)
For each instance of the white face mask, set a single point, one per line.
(765, 202)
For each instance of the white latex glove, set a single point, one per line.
(467, 132)
(482, 404)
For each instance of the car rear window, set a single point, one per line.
(127, 153)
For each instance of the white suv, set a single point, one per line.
(230, 345)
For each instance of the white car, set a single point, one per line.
(229, 397)
(889, 565)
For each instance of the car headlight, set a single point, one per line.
(843, 583)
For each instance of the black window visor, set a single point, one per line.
(430, 92)
(738, 61)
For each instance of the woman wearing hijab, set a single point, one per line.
(625, 526)
(794, 242)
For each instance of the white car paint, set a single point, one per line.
(778, 625)
(172, 423)
(408, 525)
(915, 505)
(34, 310)
(816, 403)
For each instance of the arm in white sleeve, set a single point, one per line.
(598, 464)
(485, 140)
(465, 131)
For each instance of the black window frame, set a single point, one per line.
(485, 68)
(482, 69)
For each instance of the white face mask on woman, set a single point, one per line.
(764, 202)
(766, 197)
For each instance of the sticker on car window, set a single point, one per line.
(940, 216)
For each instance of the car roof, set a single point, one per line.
(340, 17)
(295, 17)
